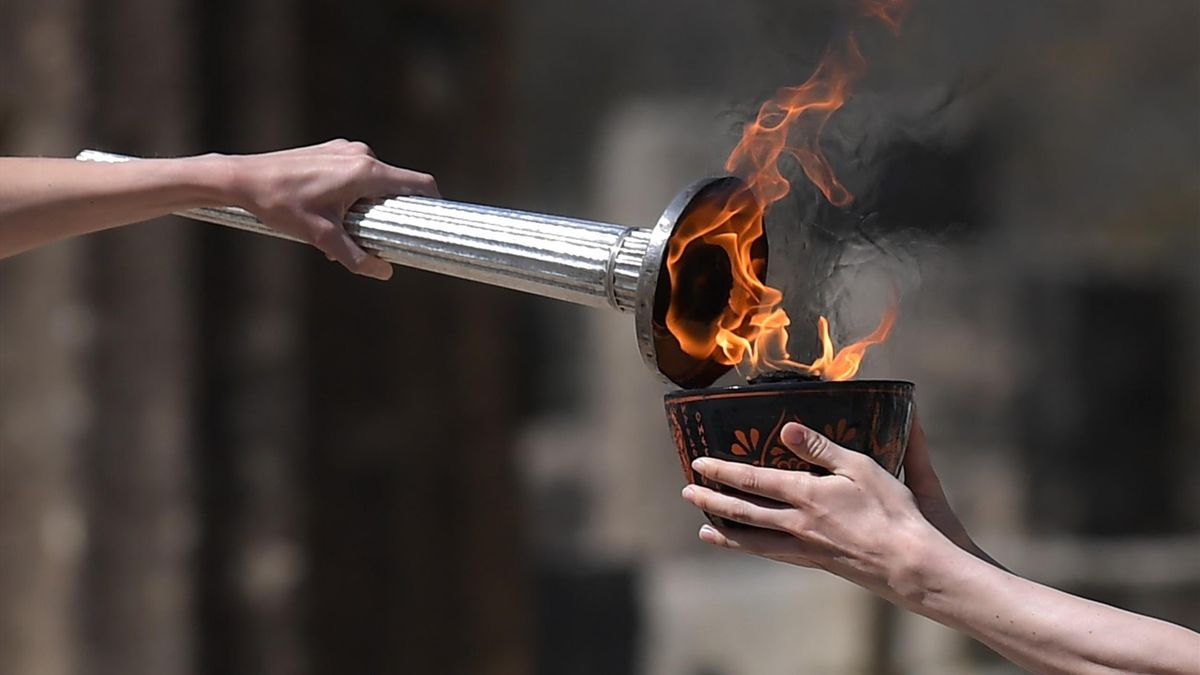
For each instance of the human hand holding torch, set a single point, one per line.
(303, 193)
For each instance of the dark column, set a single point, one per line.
(43, 341)
(252, 362)
(417, 555)
(137, 616)
(1102, 409)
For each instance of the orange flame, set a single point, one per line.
(804, 110)
(890, 12)
(751, 332)
(733, 226)
(846, 363)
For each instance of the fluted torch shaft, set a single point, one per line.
(585, 262)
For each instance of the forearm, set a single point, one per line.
(860, 523)
(46, 200)
(1045, 630)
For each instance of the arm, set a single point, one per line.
(865, 526)
(1045, 630)
(303, 192)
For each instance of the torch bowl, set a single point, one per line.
(742, 423)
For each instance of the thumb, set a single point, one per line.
(814, 448)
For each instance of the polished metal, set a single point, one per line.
(644, 322)
(581, 261)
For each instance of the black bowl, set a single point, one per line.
(742, 423)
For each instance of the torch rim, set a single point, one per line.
(653, 264)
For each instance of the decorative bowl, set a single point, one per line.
(742, 423)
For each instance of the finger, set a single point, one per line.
(765, 543)
(814, 448)
(333, 241)
(773, 483)
(738, 509)
(389, 180)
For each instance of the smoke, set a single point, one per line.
(911, 163)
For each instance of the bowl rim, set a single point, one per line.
(738, 390)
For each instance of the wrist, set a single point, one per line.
(952, 583)
(213, 180)
(925, 561)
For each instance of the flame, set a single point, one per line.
(802, 110)
(845, 365)
(752, 331)
(733, 226)
(889, 12)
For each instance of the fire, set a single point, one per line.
(802, 111)
(846, 363)
(890, 12)
(732, 226)
(752, 331)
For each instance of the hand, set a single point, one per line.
(858, 522)
(306, 192)
(865, 526)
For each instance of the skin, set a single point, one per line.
(303, 192)
(902, 541)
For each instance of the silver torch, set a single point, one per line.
(581, 261)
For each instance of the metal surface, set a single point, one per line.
(585, 262)
(648, 338)
(555, 257)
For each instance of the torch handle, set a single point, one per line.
(580, 261)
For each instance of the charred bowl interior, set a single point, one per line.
(742, 423)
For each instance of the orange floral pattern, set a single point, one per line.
(677, 434)
(779, 456)
(889, 455)
(771, 452)
(745, 444)
(782, 458)
(840, 434)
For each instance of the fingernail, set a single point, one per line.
(700, 463)
(793, 433)
(380, 270)
(709, 535)
(688, 490)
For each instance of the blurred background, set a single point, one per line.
(199, 474)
